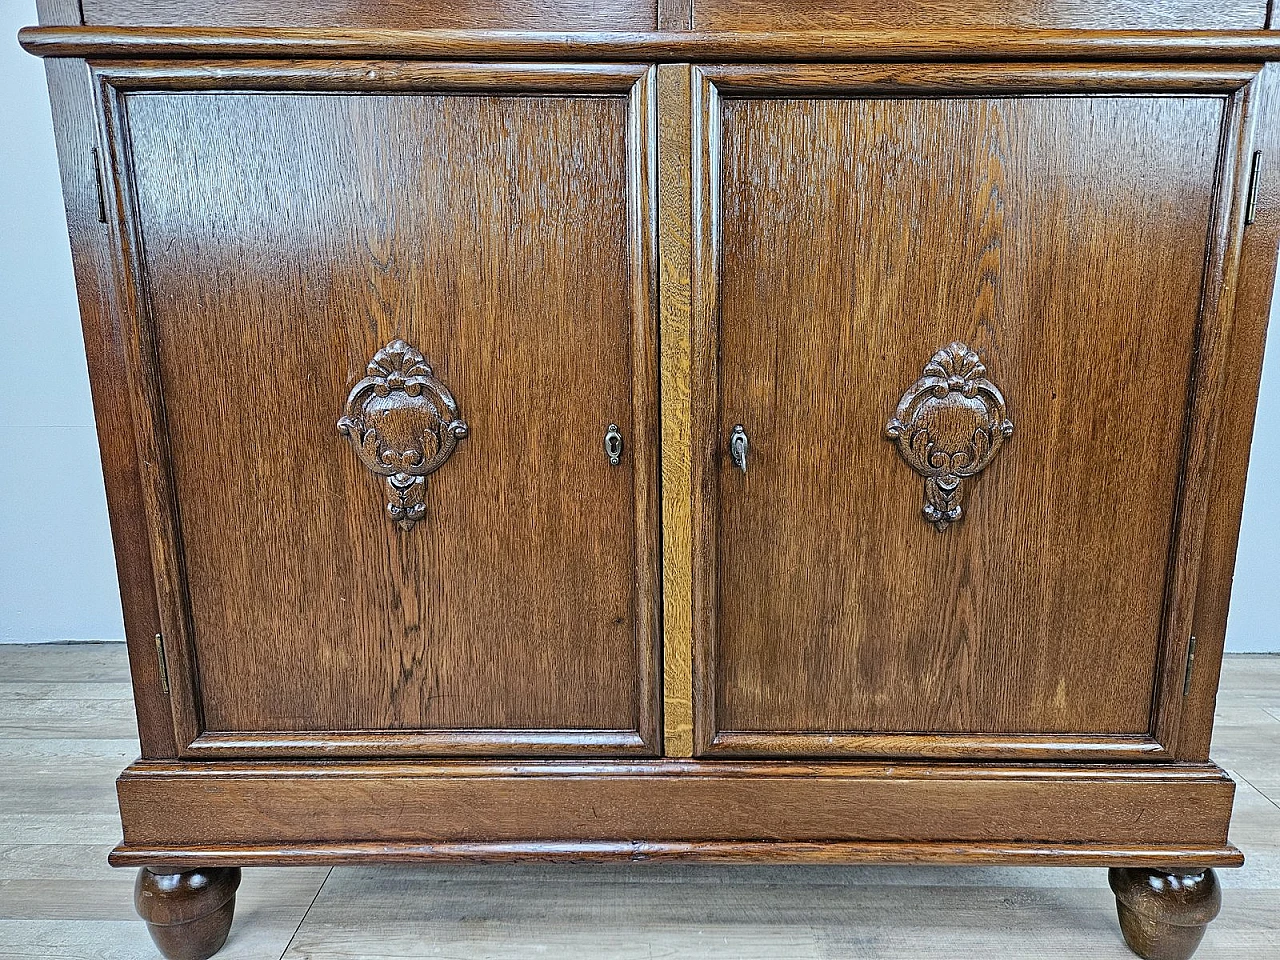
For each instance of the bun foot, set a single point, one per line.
(1163, 916)
(188, 914)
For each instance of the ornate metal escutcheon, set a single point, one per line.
(403, 425)
(948, 426)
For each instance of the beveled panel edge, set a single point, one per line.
(371, 75)
(960, 79)
(112, 83)
(939, 746)
(1197, 465)
(482, 742)
(676, 46)
(184, 808)
(642, 176)
(640, 851)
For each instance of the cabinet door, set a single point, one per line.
(972, 323)
(395, 390)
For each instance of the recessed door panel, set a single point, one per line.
(965, 324)
(384, 333)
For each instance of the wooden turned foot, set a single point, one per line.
(188, 914)
(1163, 915)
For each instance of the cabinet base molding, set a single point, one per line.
(193, 814)
(638, 851)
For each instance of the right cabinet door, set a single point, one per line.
(960, 335)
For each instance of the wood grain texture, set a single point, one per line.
(768, 15)
(71, 96)
(675, 14)
(407, 14)
(1253, 300)
(188, 914)
(1001, 628)
(500, 235)
(1162, 915)
(705, 852)
(700, 46)
(190, 808)
(674, 199)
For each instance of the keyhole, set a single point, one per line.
(613, 445)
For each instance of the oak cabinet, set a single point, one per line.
(709, 442)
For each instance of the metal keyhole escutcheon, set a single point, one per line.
(738, 447)
(613, 445)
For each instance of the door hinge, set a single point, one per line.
(1251, 207)
(97, 182)
(1191, 663)
(164, 667)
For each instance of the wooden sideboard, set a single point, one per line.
(738, 431)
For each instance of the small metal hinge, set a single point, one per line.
(97, 182)
(1251, 207)
(164, 667)
(1191, 662)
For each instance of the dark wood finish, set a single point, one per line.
(1226, 499)
(188, 914)
(999, 640)
(948, 427)
(768, 15)
(708, 851)
(71, 95)
(168, 808)
(820, 46)
(403, 14)
(498, 234)
(1163, 916)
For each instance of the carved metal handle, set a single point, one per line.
(738, 447)
(403, 425)
(613, 445)
(948, 426)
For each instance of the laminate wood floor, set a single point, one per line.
(66, 730)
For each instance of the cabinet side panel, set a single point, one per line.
(71, 93)
(1235, 430)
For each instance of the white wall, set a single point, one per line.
(57, 572)
(57, 575)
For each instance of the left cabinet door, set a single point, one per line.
(394, 388)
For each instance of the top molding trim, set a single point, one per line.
(852, 46)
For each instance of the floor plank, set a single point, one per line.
(64, 662)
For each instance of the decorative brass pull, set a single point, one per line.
(403, 425)
(613, 445)
(948, 426)
(738, 447)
